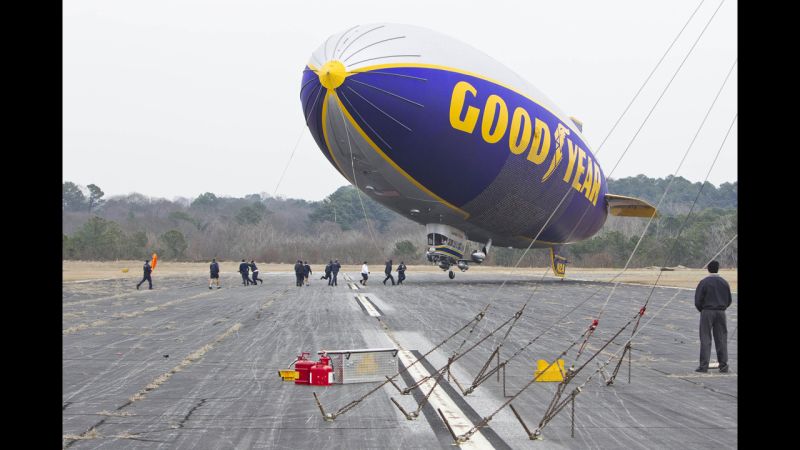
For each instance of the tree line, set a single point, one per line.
(281, 230)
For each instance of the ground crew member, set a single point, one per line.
(334, 272)
(244, 269)
(306, 271)
(298, 272)
(401, 273)
(388, 272)
(364, 274)
(214, 277)
(327, 275)
(712, 297)
(255, 272)
(146, 276)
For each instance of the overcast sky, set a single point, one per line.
(173, 98)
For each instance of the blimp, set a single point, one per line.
(450, 138)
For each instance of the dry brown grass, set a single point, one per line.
(115, 413)
(89, 434)
(92, 270)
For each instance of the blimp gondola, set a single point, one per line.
(450, 138)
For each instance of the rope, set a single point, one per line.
(600, 147)
(488, 418)
(595, 322)
(280, 180)
(456, 356)
(302, 133)
(721, 250)
(632, 139)
(680, 230)
(554, 407)
(353, 403)
(658, 205)
(668, 85)
(355, 182)
(539, 233)
(552, 412)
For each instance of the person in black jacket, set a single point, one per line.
(712, 297)
(255, 272)
(327, 275)
(334, 272)
(214, 273)
(401, 273)
(146, 276)
(388, 272)
(299, 272)
(244, 269)
(306, 271)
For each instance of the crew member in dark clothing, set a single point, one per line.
(244, 269)
(388, 272)
(299, 272)
(712, 297)
(214, 276)
(255, 272)
(334, 272)
(401, 273)
(146, 276)
(327, 275)
(306, 271)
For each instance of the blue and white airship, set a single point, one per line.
(450, 138)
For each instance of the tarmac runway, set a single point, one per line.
(182, 366)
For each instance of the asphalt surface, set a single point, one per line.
(182, 366)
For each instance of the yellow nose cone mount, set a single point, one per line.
(332, 74)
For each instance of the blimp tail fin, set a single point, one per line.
(578, 123)
(558, 262)
(620, 205)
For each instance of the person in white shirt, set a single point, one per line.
(364, 274)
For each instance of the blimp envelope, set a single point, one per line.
(426, 124)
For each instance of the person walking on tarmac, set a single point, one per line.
(214, 276)
(401, 273)
(306, 271)
(255, 272)
(298, 272)
(327, 275)
(364, 274)
(334, 272)
(146, 276)
(244, 269)
(712, 297)
(388, 272)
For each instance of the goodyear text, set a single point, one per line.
(526, 136)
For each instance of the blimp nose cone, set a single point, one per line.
(332, 74)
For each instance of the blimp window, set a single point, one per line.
(436, 239)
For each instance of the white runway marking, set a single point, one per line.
(440, 400)
(368, 305)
